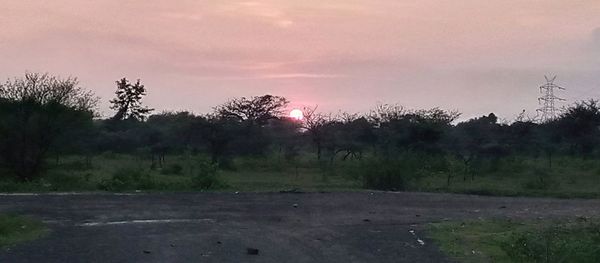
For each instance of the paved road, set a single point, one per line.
(220, 227)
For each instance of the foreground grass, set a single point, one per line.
(16, 229)
(507, 241)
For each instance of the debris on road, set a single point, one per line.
(420, 241)
(252, 251)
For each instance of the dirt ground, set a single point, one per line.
(257, 227)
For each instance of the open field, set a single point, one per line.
(220, 227)
(568, 178)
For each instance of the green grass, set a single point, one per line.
(306, 180)
(17, 229)
(508, 241)
(517, 176)
(111, 172)
(513, 176)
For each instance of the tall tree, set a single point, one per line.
(35, 112)
(128, 101)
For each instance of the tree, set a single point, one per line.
(315, 124)
(476, 139)
(579, 126)
(35, 111)
(218, 134)
(128, 102)
(255, 110)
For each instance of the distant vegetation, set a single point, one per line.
(51, 139)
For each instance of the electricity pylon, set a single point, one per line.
(548, 111)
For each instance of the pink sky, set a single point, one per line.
(474, 56)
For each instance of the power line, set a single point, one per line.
(548, 111)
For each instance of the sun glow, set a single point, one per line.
(296, 114)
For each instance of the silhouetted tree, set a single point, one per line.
(315, 123)
(580, 127)
(128, 101)
(35, 111)
(255, 110)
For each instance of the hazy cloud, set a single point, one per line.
(475, 56)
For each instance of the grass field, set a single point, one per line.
(16, 229)
(508, 241)
(71, 174)
(568, 177)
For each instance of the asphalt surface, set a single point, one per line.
(258, 227)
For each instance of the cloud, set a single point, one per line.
(183, 16)
(300, 76)
(267, 12)
(596, 39)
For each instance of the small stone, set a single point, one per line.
(147, 252)
(366, 220)
(503, 207)
(295, 205)
(252, 251)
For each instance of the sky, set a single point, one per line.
(472, 56)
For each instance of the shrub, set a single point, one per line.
(127, 178)
(77, 165)
(206, 177)
(382, 175)
(175, 169)
(540, 181)
(57, 181)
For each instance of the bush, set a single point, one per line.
(63, 182)
(382, 175)
(206, 177)
(175, 169)
(77, 165)
(128, 178)
(540, 181)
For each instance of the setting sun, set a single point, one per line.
(296, 114)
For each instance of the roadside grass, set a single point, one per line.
(528, 241)
(568, 178)
(16, 229)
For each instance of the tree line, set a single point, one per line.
(44, 116)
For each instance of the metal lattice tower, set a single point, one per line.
(548, 111)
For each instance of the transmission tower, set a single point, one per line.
(548, 111)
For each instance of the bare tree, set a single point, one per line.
(44, 89)
(386, 113)
(315, 123)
